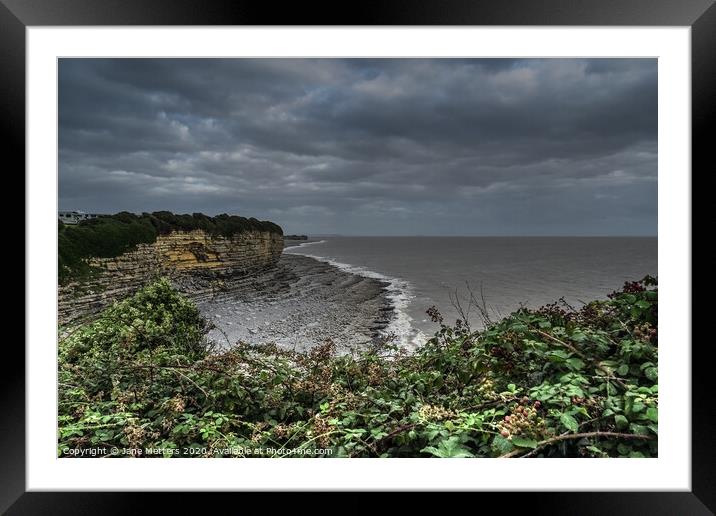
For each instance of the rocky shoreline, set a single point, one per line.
(297, 304)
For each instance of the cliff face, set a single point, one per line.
(198, 264)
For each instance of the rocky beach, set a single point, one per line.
(299, 303)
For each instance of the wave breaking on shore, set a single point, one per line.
(299, 304)
(305, 244)
(398, 292)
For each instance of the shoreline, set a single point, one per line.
(398, 292)
(300, 303)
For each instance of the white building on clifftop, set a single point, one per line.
(75, 217)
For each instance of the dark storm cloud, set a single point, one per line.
(367, 146)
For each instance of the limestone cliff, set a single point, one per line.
(198, 264)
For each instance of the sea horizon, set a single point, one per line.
(511, 271)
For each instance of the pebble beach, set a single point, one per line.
(300, 303)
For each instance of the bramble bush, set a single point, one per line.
(551, 382)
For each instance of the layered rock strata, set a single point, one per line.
(199, 264)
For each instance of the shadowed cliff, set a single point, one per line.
(105, 259)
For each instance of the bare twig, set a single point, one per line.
(178, 371)
(567, 437)
(481, 305)
(463, 312)
(399, 430)
(221, 330)
(581, 355)
(490, 403)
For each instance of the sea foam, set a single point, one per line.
(398, 292)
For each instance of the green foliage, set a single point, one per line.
(112, 235)
(220, 225)
(552, 382)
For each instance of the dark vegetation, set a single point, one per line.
(551, 382)
(108, 236)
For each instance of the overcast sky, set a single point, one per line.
(367, 147)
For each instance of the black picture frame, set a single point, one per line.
(700, 15)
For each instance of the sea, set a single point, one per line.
(502, 273)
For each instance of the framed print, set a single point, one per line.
(366, 244)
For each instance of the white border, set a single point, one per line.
(670, 471)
